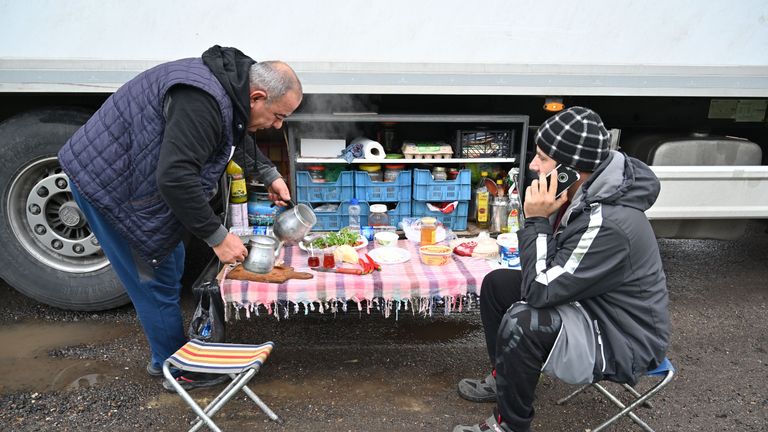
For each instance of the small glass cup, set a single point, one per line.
(313, 260)
(329, 261)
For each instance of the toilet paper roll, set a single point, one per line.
(371, 149)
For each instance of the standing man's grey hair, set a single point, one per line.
(274, 77)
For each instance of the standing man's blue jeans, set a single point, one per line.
(154, 291)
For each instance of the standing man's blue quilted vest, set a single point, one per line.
(113, 158)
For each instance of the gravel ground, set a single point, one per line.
(85, 371)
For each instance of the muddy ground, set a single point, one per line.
(65, 371)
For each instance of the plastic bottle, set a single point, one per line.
(354, 214)
(513, 220)
(238, 196)
(482, 204)
(238, 192)
(499, 212)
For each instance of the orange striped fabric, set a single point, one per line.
(221, 358)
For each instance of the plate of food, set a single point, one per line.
(343, 237)
(390, 255)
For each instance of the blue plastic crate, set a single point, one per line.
(427, 189)
(339, 191)
(401, 210)
(333, 220)
(375, 191)
(457, 220)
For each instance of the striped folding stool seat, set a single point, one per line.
(240, 362)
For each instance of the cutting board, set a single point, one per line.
(279, 274)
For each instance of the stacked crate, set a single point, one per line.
(396, 194)
(316, 193)
(427, 190)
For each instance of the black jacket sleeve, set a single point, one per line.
(590, 259)
(192, 134)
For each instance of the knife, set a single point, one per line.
(342, 270)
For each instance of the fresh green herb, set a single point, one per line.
(345, 236)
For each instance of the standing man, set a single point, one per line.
(145, 166)
(591, 300)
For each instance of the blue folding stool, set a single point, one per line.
(665, 370)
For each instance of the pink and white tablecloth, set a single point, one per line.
(407, 286)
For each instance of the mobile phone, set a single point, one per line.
(566, 177)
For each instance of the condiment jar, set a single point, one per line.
(391, 171)
(373, 170)
(428, 231)
(453, 174)
(439, 173)
(316, 173)
(378, 215)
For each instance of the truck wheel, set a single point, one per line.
(48, 251)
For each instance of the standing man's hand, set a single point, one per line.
(279, 192)
(540, 197)
(231, 250)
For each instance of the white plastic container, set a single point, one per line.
(509, 255)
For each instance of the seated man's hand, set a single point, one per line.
(279, 192)
(540, 197)
(231, 250)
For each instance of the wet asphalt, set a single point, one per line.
(70, 371)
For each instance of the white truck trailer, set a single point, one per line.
(685, 82)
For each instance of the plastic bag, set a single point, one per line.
(207, 322)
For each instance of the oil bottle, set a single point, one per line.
(482, 204)
(238, 196)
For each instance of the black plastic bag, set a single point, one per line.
(208, 321)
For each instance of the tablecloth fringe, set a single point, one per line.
(424, 306)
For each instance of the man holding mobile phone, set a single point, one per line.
(591, 300)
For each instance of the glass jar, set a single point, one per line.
(439, 173)
(392, 171)
(453, 173)
(373, 170)
(316, 173)
(378, 215)
(428, 231)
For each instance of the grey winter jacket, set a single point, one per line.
(604, 259)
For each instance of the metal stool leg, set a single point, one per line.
(188, 399)
(570, 396)
(626, 410)
(237, 383)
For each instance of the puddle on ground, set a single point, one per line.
(440, 331)
(25, 364)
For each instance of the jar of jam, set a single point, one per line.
(378, 215)
(374, 171)
(453, 173)
(391, 171)
(428, 231)
(439, 173)
(316, 173)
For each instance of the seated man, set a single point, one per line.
(591, 300)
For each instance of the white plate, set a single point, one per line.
(390, 255)
(364, 243)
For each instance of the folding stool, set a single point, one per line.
(240, 362)
(665, 370)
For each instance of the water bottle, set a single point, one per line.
(206, 331)
(354, 214)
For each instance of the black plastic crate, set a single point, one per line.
(485, 143)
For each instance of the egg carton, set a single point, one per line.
(437, 151)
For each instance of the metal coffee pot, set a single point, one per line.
(293, 224)
(262, 252)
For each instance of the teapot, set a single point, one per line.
(293, 224)
(262, 252)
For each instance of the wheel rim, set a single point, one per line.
(47, 222)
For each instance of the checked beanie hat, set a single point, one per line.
(575, 137)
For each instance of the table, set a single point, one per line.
(408, 286)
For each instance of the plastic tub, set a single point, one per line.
(435, 255)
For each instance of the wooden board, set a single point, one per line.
(279, 274)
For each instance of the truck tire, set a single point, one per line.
(48, 251)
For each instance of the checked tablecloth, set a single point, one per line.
(410, 285)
